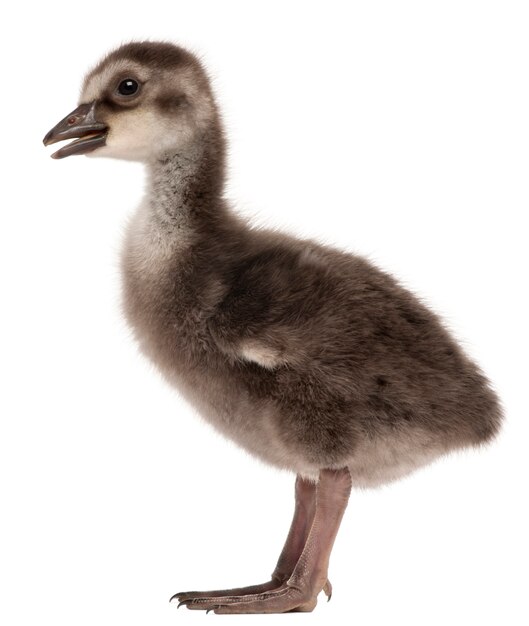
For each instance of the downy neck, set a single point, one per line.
(184, 189)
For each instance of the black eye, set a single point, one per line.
(128, 87)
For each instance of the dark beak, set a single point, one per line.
(82, 125)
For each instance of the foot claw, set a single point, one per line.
(327, 590)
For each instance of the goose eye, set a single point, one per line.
(128, 87)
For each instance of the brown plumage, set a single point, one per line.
(309, 357)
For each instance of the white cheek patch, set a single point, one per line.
(139, 135)
(130, 135)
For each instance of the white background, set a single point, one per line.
(395, 129)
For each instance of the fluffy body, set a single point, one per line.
(327, 364)
(306, 356)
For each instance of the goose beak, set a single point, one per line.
(81, 125)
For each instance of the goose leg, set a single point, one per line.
(305, 495)
(309, 577)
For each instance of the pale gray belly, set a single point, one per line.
(250, 423)
(245, 420)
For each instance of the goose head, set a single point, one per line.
(142, 102)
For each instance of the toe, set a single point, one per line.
(282, 601)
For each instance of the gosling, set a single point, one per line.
(310, 358)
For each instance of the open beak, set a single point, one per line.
(80, 124)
